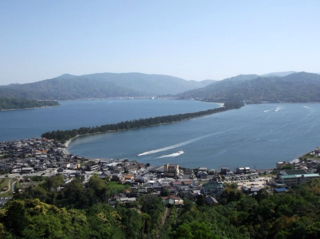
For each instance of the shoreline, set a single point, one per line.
(67, 143)
(34, 108)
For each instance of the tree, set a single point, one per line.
(194, 230)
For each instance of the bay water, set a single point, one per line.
(256, 135)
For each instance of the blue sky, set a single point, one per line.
(194, 40)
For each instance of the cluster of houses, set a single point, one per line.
(170, 181)
(299, 170)
(33, 155)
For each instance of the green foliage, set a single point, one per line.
(297, 87)
(80, 211)
(13, 103)
(154, 208)
(195, 230)
(288, 166)
(103, 85)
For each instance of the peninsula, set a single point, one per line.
(66, 135)
(16, 104)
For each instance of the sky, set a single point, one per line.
(194, 40)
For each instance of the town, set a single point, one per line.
(25, 161)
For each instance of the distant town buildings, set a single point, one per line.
(294, 176)
(172, 182)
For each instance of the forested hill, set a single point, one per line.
(47, 210)
(101, 85)
(296, 87)
(13, 104)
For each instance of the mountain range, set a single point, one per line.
(273, 87)
(295, 87)
(101, 85)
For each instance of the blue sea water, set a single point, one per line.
(22, 124)
(255, 135)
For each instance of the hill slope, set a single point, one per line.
(100, 85)
(296, 87)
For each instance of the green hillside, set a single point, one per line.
(296, 87)
(100, 85)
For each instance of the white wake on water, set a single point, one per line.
(277, 109)
(174, 146)
(171, 155)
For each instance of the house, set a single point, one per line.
(27, 170)
(193, 194)
(128, 178)
(142, 191)
(213, 188)
(254, 189)
(176, 184)
(65, 165)
(39, 167)
(187, 183)
(294, 176)
(240, 170)
(211, 200)
(140, 179)
(74, 166)
(202, 174)
(116, 177)
(297, 178)
(188, 171)
(172, 200)
(171, 170)
(212, 171)
(94, 167)
(131, 168)
(126, 200)
(202, 169)
(225, 170)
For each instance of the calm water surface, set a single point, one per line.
(22, 124)
(255, 136)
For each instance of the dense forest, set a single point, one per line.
(134, 124)
(82, 211)
(13, 103)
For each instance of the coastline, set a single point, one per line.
(33, 108)
(67, 143)
(222, 105)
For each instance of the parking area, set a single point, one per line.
(257, 183)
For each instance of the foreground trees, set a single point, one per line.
(79, 211)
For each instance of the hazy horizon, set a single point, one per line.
(154, 74)
(190, 40)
